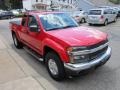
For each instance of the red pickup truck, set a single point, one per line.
(56, 39)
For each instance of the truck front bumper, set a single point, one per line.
(94, 63)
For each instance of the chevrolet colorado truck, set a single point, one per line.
(57, 40)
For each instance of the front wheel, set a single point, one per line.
(17, 43)
(55, 66)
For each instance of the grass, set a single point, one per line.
(20, 15)
(115, 1)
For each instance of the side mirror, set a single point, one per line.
(34, 28)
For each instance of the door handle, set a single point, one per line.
(25, 30)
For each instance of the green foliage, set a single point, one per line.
(115, 1)
(11, 4)
(15, 4)
(2, 5)
(20, 15)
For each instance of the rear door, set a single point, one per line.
(106, 14)
(114, 14)
(110, 15)
(24, 29)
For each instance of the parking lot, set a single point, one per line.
(17, 66)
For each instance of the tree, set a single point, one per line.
(16, 4)
(2, 4)
(115, 1)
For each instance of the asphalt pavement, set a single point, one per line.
(21, 71)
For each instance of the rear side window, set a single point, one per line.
(106, 12)
(95, 12)
(110, 11)
(24, 20)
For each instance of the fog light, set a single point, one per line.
(79, 57)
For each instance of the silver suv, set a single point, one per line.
(101, 16)
(80, 16)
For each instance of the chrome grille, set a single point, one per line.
(97, 54)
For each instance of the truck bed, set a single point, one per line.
(16, 22)
(15, 25)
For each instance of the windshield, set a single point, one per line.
(95, 12)
(57, 21)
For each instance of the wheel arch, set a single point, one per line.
(56, 51)
(49, 49)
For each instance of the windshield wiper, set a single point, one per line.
(69, 26)
(60, 28)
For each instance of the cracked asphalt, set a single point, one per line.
(19, 65)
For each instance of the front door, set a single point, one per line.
(34, 37)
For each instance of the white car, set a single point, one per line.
(80, 16)
(15, 12)
(117, 9)
(101, 16)
(1, 10)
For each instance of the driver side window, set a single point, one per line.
(32, 21)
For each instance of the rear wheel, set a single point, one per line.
(17, 43)
(106, 22)
(82, 20)
(115, 20)
(55, 66)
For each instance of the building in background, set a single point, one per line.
(64, 5)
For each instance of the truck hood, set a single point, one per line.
(79, 36)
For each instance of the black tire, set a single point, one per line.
(60, 75)
(82, 20)
(17, 43)
(115, 20)
(9, 17)
(90, 24)
(106, 22)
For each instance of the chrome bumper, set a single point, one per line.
(84, 66)
(96, 21)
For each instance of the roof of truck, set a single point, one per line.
(98, 9)
(42, 12)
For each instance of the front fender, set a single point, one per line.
(61, 51)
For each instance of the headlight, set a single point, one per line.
(75, 49)
(77, 58)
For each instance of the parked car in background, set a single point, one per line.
(80, 16)
(6, 15)
(22, 10)
(104, 6)
(117, 9)
(101, 16)
(15, 12)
